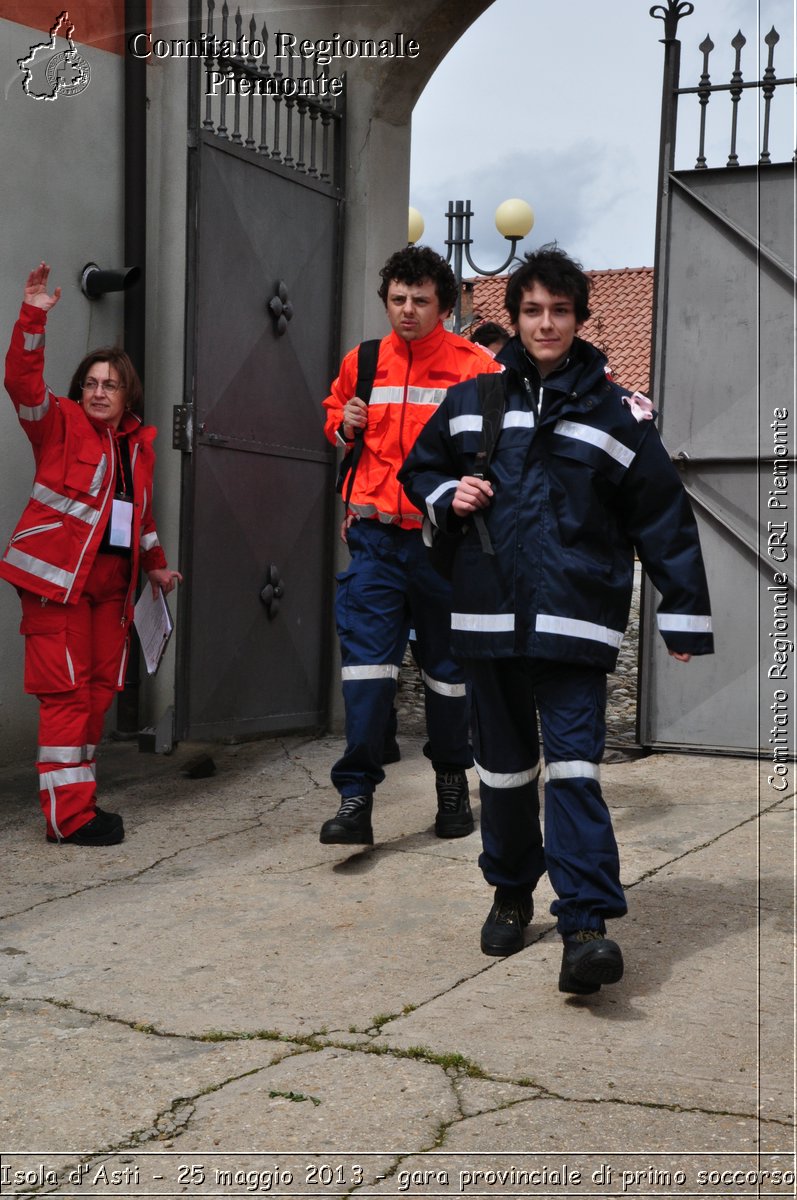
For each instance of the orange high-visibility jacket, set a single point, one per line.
(411, 380)
(56, 539)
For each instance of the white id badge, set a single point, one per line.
(121, 523)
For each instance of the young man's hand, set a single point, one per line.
(355, 416)
(471, 495)
(679, 657)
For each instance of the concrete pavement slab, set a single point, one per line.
(201, 986)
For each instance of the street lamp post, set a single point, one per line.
(513, 219)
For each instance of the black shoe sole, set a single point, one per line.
(588, 976)
(346, 837)
(74, 839)
(495, 951)
(458, 830)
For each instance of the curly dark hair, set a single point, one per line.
(556, 271)
(121, 362)
(416, 264)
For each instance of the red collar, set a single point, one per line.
(424, 347)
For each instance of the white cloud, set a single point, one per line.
(560, 105)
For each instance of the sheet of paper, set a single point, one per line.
(154, 625)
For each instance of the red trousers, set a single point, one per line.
(75, 659)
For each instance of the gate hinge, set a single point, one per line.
(183, 427)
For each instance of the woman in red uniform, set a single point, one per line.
(74, 557)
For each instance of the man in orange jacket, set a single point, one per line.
(390, 585)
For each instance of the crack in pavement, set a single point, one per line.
(453, 1064)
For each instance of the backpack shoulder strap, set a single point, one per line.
(492, 402)
(367, 359)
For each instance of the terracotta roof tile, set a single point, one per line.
(621, 302)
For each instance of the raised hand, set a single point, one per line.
(36, 289)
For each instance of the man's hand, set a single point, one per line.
(36, 289)
(355, 416)
(346, 525)
(471, 495)
(162, 579)
(679, 657)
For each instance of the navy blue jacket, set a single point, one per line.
(577, 492)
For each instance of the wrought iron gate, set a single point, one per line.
(265, 200)
(723, 380)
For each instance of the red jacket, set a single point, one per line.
(56, 539)
(411, 380)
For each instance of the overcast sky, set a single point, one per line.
(558, 102)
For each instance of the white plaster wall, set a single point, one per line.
(167, 96)
(61, 201)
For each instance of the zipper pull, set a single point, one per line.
(43, 601)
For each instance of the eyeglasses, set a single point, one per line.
(109, 386)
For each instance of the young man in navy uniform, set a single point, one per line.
(578, 483)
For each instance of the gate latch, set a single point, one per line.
(272, 593)
(182, 427)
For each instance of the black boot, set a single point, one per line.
(351, 824)
(104, 829)
(454, 818)
(503, 931)
(589, 959)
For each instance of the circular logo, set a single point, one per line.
(68, 72)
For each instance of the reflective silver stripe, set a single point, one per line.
(472, 423)
(63, 754)
(414, 395)
(518, 420)
(120, 679)
(577, 769)
(28, 412)
(513, 779)
(99, 475)
(567, 627)
(469, 423)
(370, 510)
(35, 566)
(412, 636)
(483, 622)
(443, 689)
(682, 623)
(66, 776)
(69, 665)
(65, 504)
(596, 437)
(90, 751)
(88, 538)
(33, 341)
(148, 540)
(379, 671)
(434, 496)
(51, 791)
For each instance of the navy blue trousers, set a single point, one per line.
(388, 588)
(580, 852)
